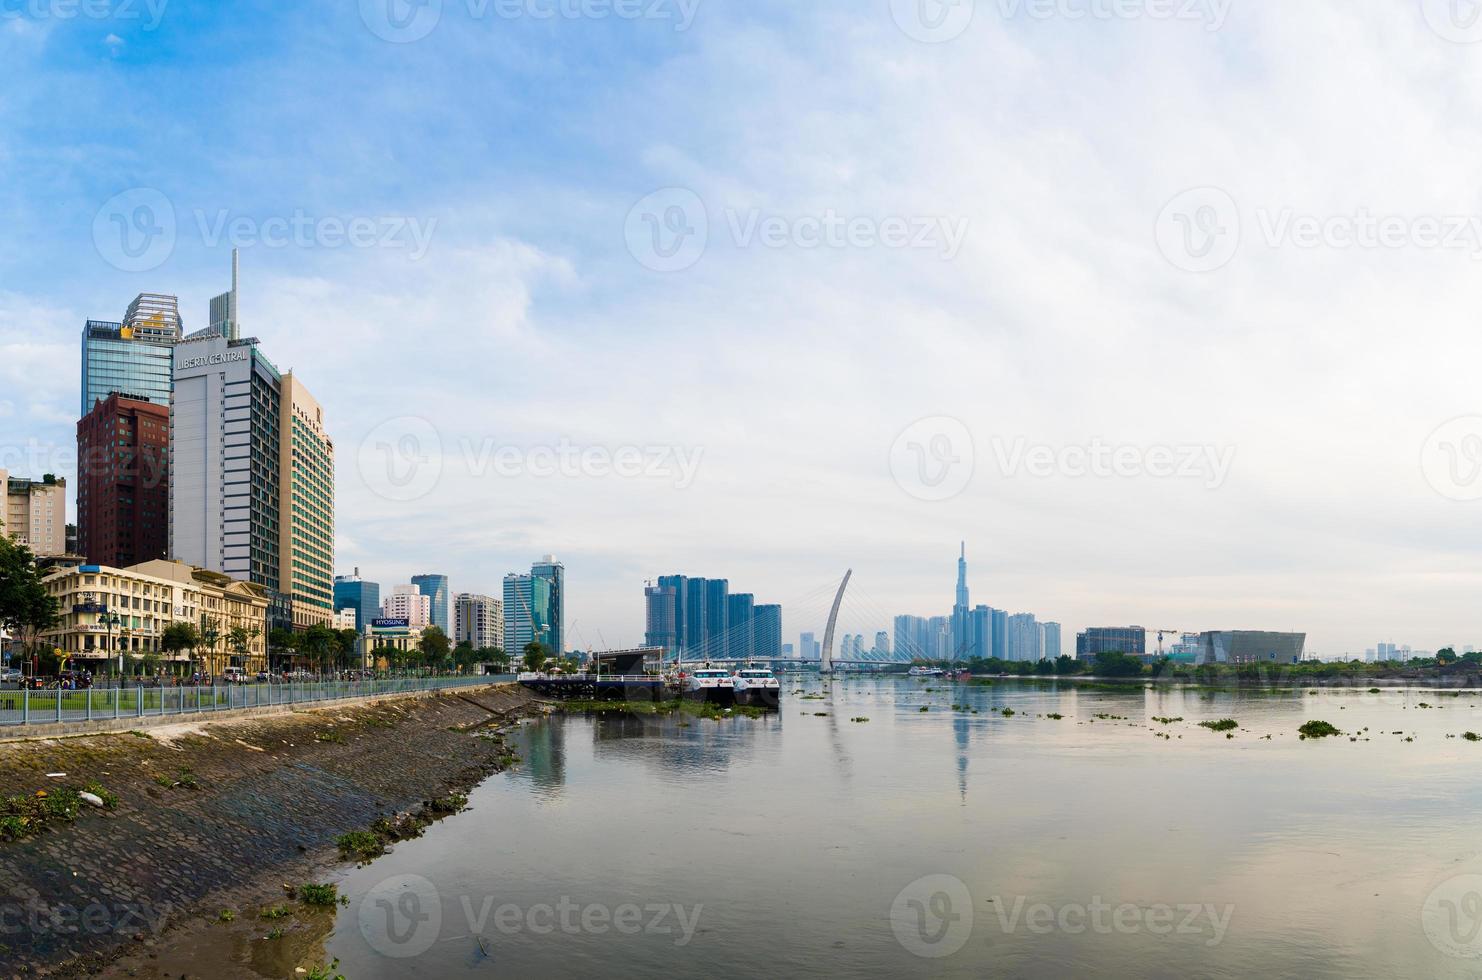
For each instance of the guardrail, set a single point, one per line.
(28, 707)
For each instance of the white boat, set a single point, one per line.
(757, 686)
(926, 672)
(713, 684)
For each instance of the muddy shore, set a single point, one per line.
(218, 817)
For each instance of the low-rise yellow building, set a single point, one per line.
(105, 613)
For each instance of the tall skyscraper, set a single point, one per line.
(226, 488)
(306, 511)
(680, 586)
(1024, 637)
(882, 643)
(1051, 646)
(962, 645)
(767, 631)
(741, 638)
(717, 617)
(435, 588)
(555, 573)
(123, 487)
(527, 601)
(224, 320)
(808, 648)
(478, 620)
(695, 619)
(353, 592)
(982, 632)
(659, 605)
(131, 357)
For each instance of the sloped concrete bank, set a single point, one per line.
(213, 815)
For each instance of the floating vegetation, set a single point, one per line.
(820, 714)
(1373, 690)
(1223, 725)
(1471, 736)
(1167, 721)
(1106, 717)
(1056, 717)
(1317, 729)
(860, 719)
(1007, 712)
(924, 707)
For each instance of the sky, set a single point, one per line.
(1167, 308)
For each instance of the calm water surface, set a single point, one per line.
(954, 842)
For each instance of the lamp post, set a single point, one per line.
(113, 619)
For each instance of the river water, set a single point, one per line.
(955, 841)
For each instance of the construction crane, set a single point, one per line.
(1164, 632)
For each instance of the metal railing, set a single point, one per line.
(32, 707)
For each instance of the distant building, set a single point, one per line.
(132, 357)
(123, 485)
(808, 647)
(1051, 645)
(345, 619)
(554, 573)
(1131, 640)
(767, 631)
(478, 620)
(306, 507)
(435, 588)
(35, 512)
(409, 603)
(1250, 647)
(353, 592)
(527, 608)
(962, 646)
(882, 643)
(741, 639)
(660, 604)
(1023, 638)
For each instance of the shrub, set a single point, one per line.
(1223, 725)
(1317, 729)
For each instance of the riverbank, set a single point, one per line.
(212, 817)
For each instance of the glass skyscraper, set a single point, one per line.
(435, 587)
(113, 360)
(555, 574)
(353, 592)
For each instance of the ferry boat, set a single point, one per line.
(926, 672)
(756, 686)
(713, 684)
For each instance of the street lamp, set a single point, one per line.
(113, 619)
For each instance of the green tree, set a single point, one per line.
(240, 638)
(210, 636)
(1117, 665)
(535, 656)
(26, 608)
(1445, 656)
(318, 643)
(434, 646)
(282, 642)
(345, 643)
(178, 637)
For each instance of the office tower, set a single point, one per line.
(555, 574)
(306, 510)
(767, 631)
(409, 603)
(659, 605)
(1050, 647)
(527, 601)
(123, 489)
(478, 620)
(132, 357)
(741, 638)
(35, 512)
(435, 588)
(882, 643)
(224, 320)
(982, 632)
(226, 489)
(1131, 640)
(717, 616)
(353, 592)
(962, 643)
(808, 647)
(680, 584)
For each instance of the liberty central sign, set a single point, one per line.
(222, 358)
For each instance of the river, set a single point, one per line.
(955, 841)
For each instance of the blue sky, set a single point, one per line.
(1042, 155)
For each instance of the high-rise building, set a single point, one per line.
(694, 615)
(355, 593)
(767, 631)
(131, 357)
(982, 633)
(659, 604)
(35, 512)
(962, 635)
(717, 616)
(435, 588)
(527, 602)
(680, 586)
(224, 320)
(741, 638)
(1051, 640)
(409, 603)
(1023, 638)
(306, 508)
(1131, 640)
(882, 644)
(555, 573)
(123, 488)
(808, 648)
(478, 620)
(226, 488)
(911, 638)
